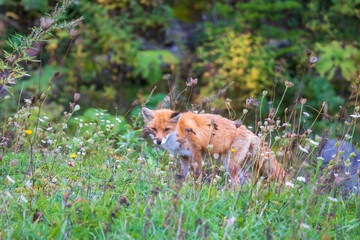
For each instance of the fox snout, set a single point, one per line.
(157, 141)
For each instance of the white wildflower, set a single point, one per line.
(28, 183)
(301, 179)
(76, 118)
(23, 198)
(303, 225)
(347, 136)
(314, 143)
(303, 149)
(357, 115)
(306, 114)
(101, 114)
(332, 199)
(28, 101)
(8, 194)
(46, 118)
(289, 184)
(41, 120)
(230, 221)
(10, 179)
(97, 114)
(320, 158)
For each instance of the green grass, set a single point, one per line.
(125, 188)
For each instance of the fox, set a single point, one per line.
(189, 135)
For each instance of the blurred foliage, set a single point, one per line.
(125, 46)
(238, 58)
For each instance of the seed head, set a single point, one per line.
(46, 23)
(289, 84)
(73, 33)
(303, 101)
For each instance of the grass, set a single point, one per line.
(123, 187)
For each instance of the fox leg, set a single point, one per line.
(239, 163)
(184, 166)
(196, 164)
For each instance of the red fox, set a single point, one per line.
(188, 135)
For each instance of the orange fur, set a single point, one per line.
(212, 134)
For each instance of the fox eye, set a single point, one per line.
(154, 129)
(166, 129)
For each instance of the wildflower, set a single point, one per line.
(313, 60)
(332, 199)
(73, 155)
(347, 136)
(303, 149)
(41, 120)
(8, 194)
(97, 114)
(23, 198)
(28, 184)
(71, 164)
(301, 179)
(303, 225)
(28, 132)
(192, 82)
(210, 147)
(314, 143)
(107, 121)
(232, 150)
(10, 179)
(357, 115)
(46, 118)
(320, 158)
(306, 114)
(289, 184)
(27, 101)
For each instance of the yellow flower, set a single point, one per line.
(28, 132)
(232, 150)
(73, 155)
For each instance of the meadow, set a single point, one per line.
(75, 162)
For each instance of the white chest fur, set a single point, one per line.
(170, 143)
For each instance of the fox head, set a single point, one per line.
(161, 122)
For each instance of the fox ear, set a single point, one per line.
(148, 114)
(175, 117)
